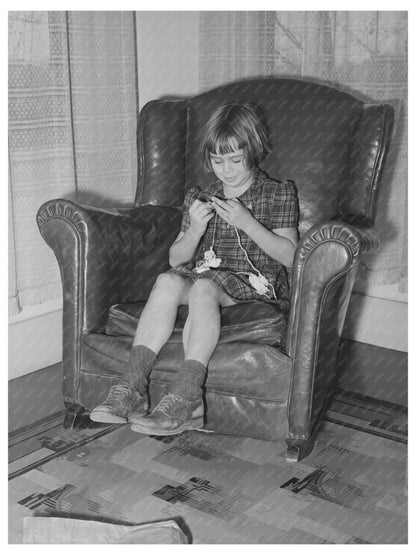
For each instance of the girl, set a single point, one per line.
(236, 242)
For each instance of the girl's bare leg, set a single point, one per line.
(203, 325)
(128, 399)
(182, 408)
(159, 314)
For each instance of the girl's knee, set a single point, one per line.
(168, 280)
(204, 288)
(169, 284)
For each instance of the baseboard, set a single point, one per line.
(35, 339)
(377, 321)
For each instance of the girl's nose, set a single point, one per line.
(227, 166)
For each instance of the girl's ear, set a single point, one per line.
(246, 162)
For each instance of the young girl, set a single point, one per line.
(236, 241)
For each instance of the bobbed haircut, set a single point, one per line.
(236, 126)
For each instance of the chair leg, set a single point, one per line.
(298, 449)
(77, 417)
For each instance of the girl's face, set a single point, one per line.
(231, 169)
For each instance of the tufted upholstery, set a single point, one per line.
(262, 381)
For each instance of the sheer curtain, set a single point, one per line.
(362, 52)
(102, 57)
(72, 129)
(234, 45)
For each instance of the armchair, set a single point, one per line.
(263, 381)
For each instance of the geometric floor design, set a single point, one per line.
(220, 489)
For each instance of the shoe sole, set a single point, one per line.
(107, 418)
(193, 424)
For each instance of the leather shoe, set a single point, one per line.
(120, 402)
(171, 416)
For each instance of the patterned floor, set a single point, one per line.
(221, 489)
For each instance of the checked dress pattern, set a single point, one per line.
(272, 203)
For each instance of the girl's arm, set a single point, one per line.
(186, 243)
(183, 249)
(280, 244)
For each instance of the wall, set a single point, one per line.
(168, 66)
(168, 54)
(380, 319)
(35, 338)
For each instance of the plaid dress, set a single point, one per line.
(272, 203)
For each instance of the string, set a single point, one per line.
(245, 252)
(214, 231)
(260, 275)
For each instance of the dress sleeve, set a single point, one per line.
(285, 206)
(189, 199)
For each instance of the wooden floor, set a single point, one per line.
(221, 489)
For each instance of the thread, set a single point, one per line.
(210, 258)
(259, 282)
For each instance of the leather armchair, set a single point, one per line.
(273, 371)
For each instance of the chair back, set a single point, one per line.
(326, 140)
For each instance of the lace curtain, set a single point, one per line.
(363, 52)
(72, 129)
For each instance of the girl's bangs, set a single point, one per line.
(223, 144)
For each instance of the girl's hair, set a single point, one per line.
(234, 126)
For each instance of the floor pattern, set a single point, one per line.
(220, 489)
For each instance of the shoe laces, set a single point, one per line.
(167, 402)
(119, 391)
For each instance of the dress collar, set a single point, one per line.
(251, 193)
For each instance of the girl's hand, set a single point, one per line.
(200, 214)
(233, 212)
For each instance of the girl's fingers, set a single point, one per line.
(206, 213)
(200, 209)
(219, 203)
(220, 209)
(206, 218)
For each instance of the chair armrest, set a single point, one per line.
(363, 228)
(106, 256)
(324, 270)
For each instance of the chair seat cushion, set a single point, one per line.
(251, 322)
(246, 390)
(236, 368)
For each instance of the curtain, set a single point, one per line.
(72, 129)
(14, 306)
(104, 105)
(361, 52)
(234, 45)
(40, 143)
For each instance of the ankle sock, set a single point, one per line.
(141, 362)
(189, 380)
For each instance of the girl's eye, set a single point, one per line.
(237, 161)
(216, 162)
